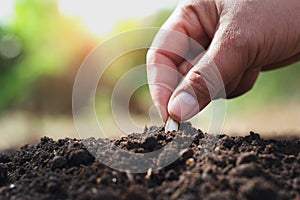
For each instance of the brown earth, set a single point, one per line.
(212, 167)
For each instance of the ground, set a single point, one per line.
(212, 167)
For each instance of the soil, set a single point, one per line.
(235, 168)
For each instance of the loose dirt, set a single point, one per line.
(212, 167)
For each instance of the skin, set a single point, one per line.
(241, 39)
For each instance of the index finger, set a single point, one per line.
(162, 67)
(168, 50)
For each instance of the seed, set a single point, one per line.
(190, 162)
(171, 125)
(114, 180)
(149, 173)
(98, 180)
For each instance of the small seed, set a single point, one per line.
(291, 156)
(114, 180)
(98, 180)
(94, 190)
(171, 125)
(149, 173)
(190, 162)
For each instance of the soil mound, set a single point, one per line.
(212, 167)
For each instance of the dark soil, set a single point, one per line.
(236, 168)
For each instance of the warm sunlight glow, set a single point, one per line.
(100, 17)
(7, 8)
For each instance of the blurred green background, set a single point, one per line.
(43, 43)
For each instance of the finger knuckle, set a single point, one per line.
(198, 85)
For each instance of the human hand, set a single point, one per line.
(242, 38)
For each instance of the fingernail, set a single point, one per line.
(183, 106)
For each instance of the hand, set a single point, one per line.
(242, 38)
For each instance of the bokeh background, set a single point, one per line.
(44, 42)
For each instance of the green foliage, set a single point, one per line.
(48, 42)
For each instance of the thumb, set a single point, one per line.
(223, 62)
